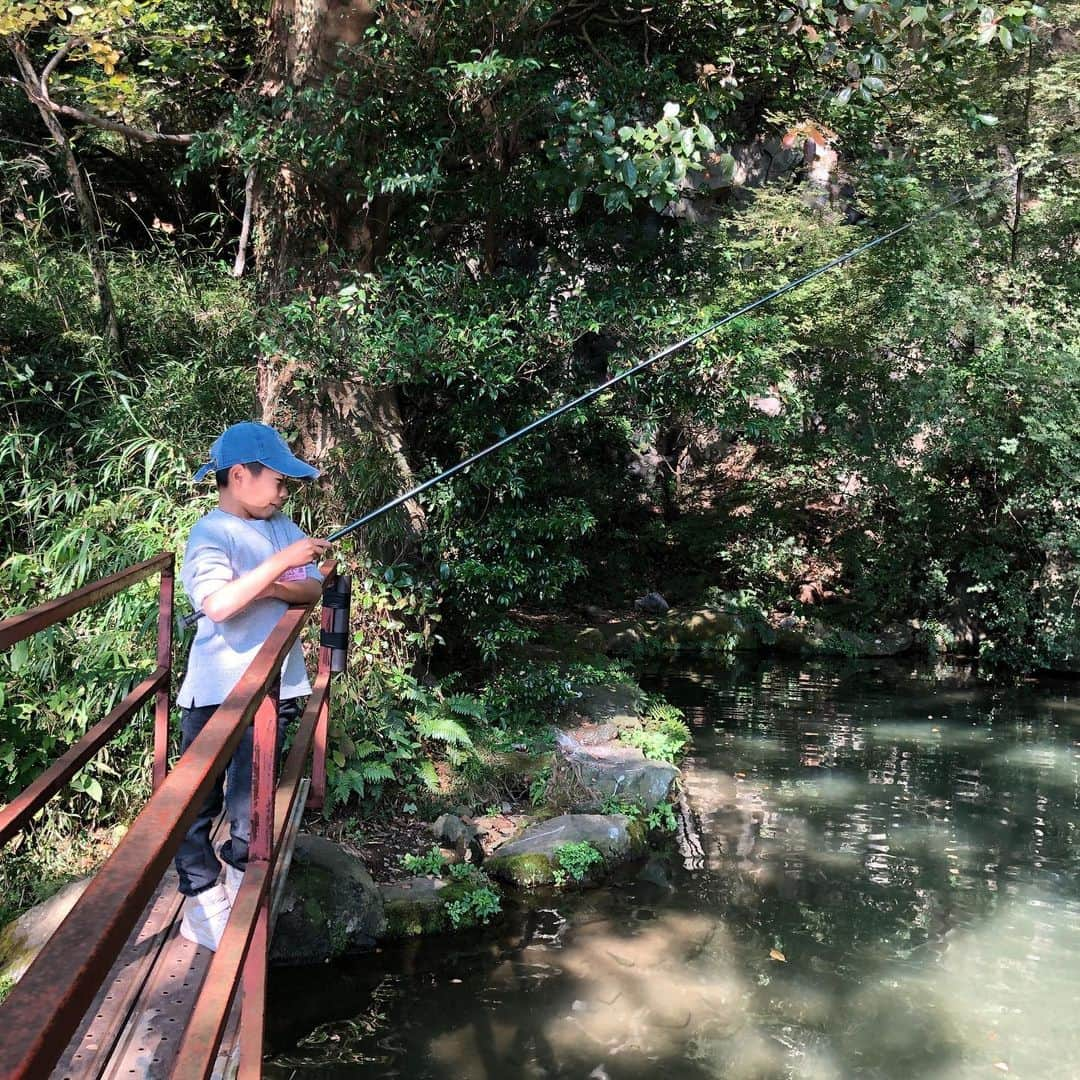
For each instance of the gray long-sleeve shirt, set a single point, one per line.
(221, 548)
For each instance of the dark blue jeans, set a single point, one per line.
(196, 862)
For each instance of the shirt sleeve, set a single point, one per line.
(294, 532)
(207, 566)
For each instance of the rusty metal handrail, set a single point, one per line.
(22, 808)
(197, 1054)
(23, 625)
(45, 1007)
(15, 815)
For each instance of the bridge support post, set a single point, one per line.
(164, 659)
(333, 657)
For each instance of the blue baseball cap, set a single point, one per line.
(244, 443)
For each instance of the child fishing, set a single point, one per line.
(245, 562)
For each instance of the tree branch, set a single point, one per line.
(39, 95)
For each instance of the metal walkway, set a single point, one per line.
(115, 992)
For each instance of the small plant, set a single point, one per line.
(464, 871)
(665, 735)
(430, 863)
(539, 786)
(619, 804)
(575, 860)
(478, 906)
(662, 818)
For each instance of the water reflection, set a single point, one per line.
(887, 887)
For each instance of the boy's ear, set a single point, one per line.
(236, 472)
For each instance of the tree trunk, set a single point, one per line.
(297, 222)
(88, 217)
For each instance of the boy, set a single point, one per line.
(244, 564)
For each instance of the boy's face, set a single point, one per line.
(259, 496)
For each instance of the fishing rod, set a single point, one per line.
(622, 376)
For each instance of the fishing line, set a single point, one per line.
(596, 391)
(643, 365)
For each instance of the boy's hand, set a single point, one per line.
(302, 552)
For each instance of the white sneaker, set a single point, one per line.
(233, 880)
(205, 916)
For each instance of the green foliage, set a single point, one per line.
(389, 728)
(538, 789)
(480, 905)
(431, 863)
(463, 871)
(576, 859)
(661, 818)
(524, 695)
(664, 734)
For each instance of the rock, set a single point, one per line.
(414, 907)
(623, 639)
(815, 638)
(591, 640)
(460, 836)
(449, 829)
(529, 860)
(331, 907)
(592, 734)
(23, 938)
(689, 628)
(651, 604)
(617, 769)
(616, 703)
(655, 872)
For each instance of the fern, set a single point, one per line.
(443, 728)
(374, 771)
(426, 774)
(466, 705)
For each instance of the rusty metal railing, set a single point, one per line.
(46, 1006)
(21, 809)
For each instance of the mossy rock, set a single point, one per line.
(815, 638)
(22, 939)
(706, 625)
(331, 907)
(612, 703)
(417, 907)
(526, 870)
(529, 860)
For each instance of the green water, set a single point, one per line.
(886, 885)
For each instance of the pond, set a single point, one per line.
(882, 881)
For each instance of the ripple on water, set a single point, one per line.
(888, 891)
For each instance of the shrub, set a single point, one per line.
(575, 859)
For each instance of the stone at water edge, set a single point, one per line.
(612, 704)
(461, 836)
(529, 860)
(651, 604)
(331, 907)
(23, 938)
(414, 907)
(615, 769)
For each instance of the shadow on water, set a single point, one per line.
(887, 888)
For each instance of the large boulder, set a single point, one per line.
(814, 638)
(331, 907)
(531, 858)
(415, 907)
(706, 626)
(615, 769)
(22, 939)
(615, 703)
